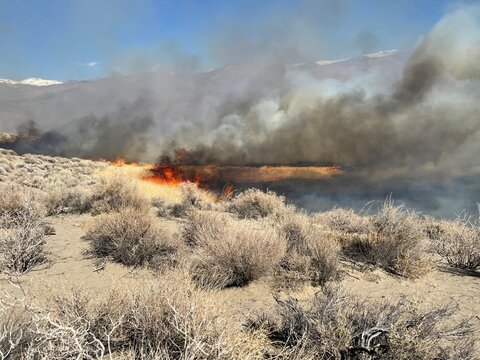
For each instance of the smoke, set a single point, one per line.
(425, 120)
(121, 133)
(384, 126)
(366, 42)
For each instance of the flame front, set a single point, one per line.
(226, 177)
(212, 174)
(164, 174)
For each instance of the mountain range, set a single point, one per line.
(169, 93)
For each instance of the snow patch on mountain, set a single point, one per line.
(31, 81)
(380, 54)
(329, 62)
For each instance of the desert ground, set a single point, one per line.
(97, 263)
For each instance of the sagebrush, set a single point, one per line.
(313, 252)
(232, 252)
(255, 204)
(458, 241)
(22, 228)
(133, 238)
(335, 326)
(152, 322)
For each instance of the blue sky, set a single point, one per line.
(81, 39)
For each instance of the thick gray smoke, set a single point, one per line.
(426, 120)
(379, 118)
(120, 133)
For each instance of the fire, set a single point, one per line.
(165, 174)
(121, 161)
(206, 176)
(224, 178)
(227, 191)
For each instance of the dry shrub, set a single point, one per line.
(233, 253)
(115, 192)
(150, 323)
(201, 226)
(21, 248)
(432, 227)
(132, 237)
(161, 206)
(193, 198)
(352, 231)
(22, 230)
(397, 241)
(345, 221)
(394, 240)
(458, 242)
(19, 205)
(77, 327)
(16, 338)
(180, 324)
(324, 251)
(77, 200)
(174, 321)
(256, 204)
(334, 326)
(312, 251)
(295, 228)
(45, 172)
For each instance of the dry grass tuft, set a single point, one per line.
(230, 252)
(256, 204)
(334, 326)
(133, 238)
(458, 242)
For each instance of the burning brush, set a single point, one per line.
(211, 174)
(225, 177)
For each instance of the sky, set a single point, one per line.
(83, 39)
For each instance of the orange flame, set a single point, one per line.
(122, 162)
(227, 191)
(226, 177)
(164, 174)
(206, 176)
